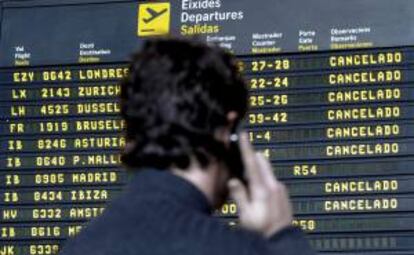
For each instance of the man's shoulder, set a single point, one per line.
(160, 214)
(154, 226)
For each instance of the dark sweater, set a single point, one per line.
(162, 214)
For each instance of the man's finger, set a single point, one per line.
(265, 170)
(238, 193)
(249, 160)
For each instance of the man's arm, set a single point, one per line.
(264, 206)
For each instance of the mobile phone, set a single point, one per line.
(235, 160)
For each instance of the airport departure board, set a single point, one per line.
(331, 101)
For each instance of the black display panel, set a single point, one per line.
(331, 105)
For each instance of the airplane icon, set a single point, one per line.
(153, 19)
(154, 14)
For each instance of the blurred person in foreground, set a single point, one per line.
(180, 101)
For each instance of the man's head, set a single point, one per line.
(179, 102)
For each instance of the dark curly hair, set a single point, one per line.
(177, 94)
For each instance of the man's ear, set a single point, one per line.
(223, 133)
(232, 117)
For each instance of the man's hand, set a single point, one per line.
(264, 205)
